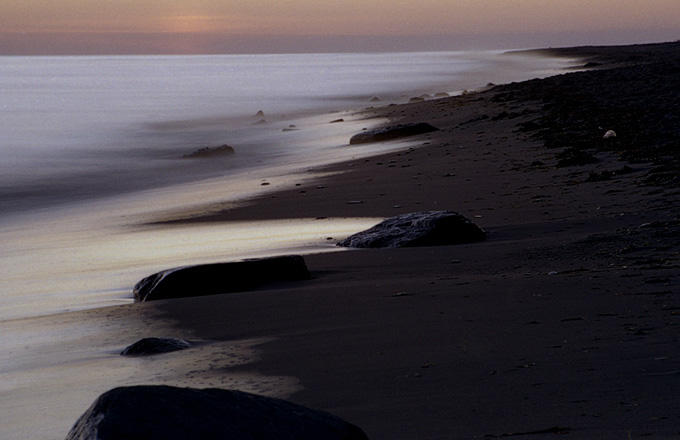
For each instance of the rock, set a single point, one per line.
(392, 132)
(171, 413)
(149, 346)
(259, 114)
(609, 134)
(224, 150)
(429, 228)
(575, 157)
(375, 99)
(335, 121)
(218, 278)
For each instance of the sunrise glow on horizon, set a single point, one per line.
(123, 25)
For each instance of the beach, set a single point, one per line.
(563, 321)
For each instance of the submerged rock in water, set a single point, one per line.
(224, 150)
(393, 132)
(171, 413)
(218, 278)
(429, 228)
(149, 346)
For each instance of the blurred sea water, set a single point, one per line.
(92, 153)
(78, 128)
(92, 148)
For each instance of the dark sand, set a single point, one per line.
(565, 320)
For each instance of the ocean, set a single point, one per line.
(79, 127)
(93, 151)
(91, 144)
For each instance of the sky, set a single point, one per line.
(261, 26)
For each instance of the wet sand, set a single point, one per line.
(563, 321)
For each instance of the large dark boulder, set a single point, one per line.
(149, 346)
(218, 278)
(393, 132)
(170, 413)
(429, 228)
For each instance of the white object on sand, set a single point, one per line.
(609, 134)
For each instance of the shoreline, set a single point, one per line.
(177, 111)
(107, 236)
(563, 317)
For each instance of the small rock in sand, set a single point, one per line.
(392, 132)
(224, 150)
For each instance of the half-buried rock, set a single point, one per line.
(223, 150)
(149, 346)
(429, 228)
(170, 413)
(392, 132)
(218, 278)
